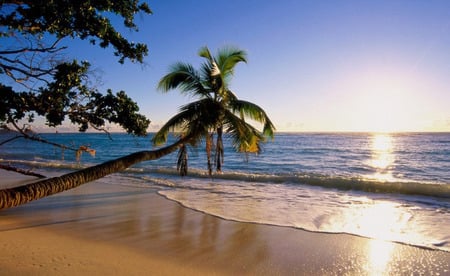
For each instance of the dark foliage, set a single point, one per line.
(49, 86)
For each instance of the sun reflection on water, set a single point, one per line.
(382, 156)
(383, 221)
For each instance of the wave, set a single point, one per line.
(407, 187)
(49, 164)
(441, 190)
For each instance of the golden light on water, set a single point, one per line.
(382, 156)
(383, 221)
(380, 220)
(382, 142)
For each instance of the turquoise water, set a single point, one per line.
(392, 187)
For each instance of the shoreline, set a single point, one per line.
(303, 229)
(117, 229)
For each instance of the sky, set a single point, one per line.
(312, 65)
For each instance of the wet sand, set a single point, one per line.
(109, 229)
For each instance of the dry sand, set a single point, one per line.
(110, 229)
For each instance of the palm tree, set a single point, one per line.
(217, 108)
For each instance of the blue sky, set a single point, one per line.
(313, 65)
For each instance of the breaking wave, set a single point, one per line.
(441, 190)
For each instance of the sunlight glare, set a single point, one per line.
(379, 100)
(382, 157)
(380, 253)
(384, 220)
(381, 220)
(384, 111)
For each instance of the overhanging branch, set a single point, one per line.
(21, 171)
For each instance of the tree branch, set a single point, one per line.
(11, 139)
(102, 129)
(21, 171)
(51, 49)
(24, 131)
(9, 69)
(30, 58)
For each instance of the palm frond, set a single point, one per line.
(245, 138)
(255, 113)
(204, 115)
(177, 122)
(204, 52)
(225, 59)
(194, 119)
(185, 77)
(211, 74)
(228, 57)
(205, 72)
(228, 96)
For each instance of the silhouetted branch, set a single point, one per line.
(102, 129)
(21, 171)
(25, 132)
(50, 49)
(11, 139)
(31, 60)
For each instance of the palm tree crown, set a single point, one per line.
(216, 110)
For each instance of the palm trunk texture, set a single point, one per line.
(23, 194)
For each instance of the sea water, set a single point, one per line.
(390, 186)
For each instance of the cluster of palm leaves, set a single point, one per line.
(216, 111)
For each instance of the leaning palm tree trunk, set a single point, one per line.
(23, 194)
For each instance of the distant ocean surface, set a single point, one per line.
(393, 187)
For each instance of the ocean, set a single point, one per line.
(390, 186)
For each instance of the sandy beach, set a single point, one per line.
(108, 229)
